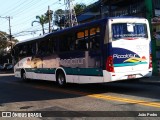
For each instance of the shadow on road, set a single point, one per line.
(16, 90)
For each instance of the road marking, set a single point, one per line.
(97, 96)
(104, 97)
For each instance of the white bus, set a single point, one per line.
(100, 51)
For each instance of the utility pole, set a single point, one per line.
(49, 13)
(70, 15)
(10, 34)
(49, 17)
(101, 9)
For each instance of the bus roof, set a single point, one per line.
(31, 39)
(78, 26)
(75, 28)
(60, 31)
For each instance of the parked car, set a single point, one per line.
(7, 66)
(1, 67)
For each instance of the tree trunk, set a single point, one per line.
(43, 29)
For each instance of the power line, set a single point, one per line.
(52, 4)
(26, 7)
(18, 7)
(33, 14)
(22, 2)
(70, 15)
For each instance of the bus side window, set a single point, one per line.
(72, 42)
(82, 45)
(55, 45)
(16, 54)
(23, 51)
(67, 42)
(41, 48)
(95, 39)
(16, 49)
(29, 50)
(82, 40)
(34, 49)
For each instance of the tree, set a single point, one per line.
(59, 17)
(5, 42)
(79, 8)
(59, 14)
(43, 19)
(48, 13)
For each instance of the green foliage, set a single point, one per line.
(59, 15)
(5, 42)
(43, 19)
(79, 8)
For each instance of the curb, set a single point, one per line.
(6, 72)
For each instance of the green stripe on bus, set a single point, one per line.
(69, 71)
(41, 70)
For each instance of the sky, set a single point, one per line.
(23, 12)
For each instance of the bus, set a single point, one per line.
(105, 50)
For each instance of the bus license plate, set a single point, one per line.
(131, 76)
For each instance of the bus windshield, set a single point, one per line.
(129, 30)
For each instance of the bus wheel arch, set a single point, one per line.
(60, 77)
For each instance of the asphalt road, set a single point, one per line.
(99, 101)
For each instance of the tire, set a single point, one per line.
(23, 76)
(60, 79)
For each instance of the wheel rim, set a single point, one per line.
(61, 79)
(24, 76)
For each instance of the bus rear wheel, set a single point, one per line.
(60, 79)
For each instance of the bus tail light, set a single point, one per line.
(109, 64)
(150, 61)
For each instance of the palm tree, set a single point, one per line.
(41, 20)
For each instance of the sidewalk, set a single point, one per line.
(151, 79)
(6, 72)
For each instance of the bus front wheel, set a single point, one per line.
(23, 75)
(61, 80)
